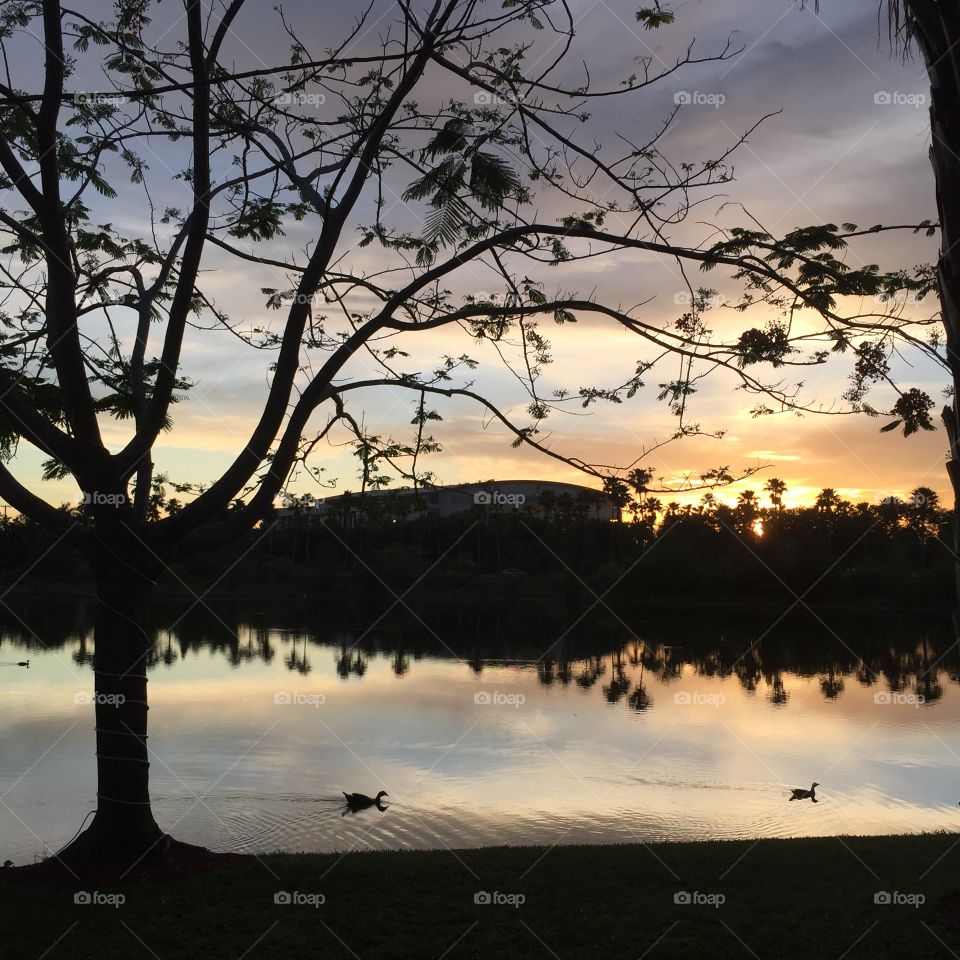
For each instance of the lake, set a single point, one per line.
(527, 723)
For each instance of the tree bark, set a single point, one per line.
(936, 29)
(123, 827)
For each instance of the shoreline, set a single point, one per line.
(504, 592)
(890, 896)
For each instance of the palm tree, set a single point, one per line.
(923, 498)
(890, 512)
(639, 480)
(547, 504)
(934, 27)
(923, 514)
(747, 511)
(651, 507)
(828, 507)
(776, 489)
(618, 493)
(828, 501)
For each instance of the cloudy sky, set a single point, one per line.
(846, 141)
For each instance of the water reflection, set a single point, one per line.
(629, 726)
(897, 654)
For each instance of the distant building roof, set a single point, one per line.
(447, 499)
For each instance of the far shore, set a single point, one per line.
(492, 589)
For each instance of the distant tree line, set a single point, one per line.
(561, 544)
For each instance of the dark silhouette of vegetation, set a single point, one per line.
(832, 551)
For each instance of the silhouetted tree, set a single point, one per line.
(776, 489)
(99, 317)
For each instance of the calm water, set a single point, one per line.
(485, 727)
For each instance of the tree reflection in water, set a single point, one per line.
(898, 654)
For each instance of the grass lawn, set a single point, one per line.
(767, 899)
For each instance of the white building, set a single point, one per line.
(545, 497)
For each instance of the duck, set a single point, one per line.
(799, 794)
(360, 801)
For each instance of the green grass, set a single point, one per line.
(783, 899)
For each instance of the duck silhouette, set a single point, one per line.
(800, 794)
(360, 801)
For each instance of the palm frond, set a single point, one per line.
(900, 26)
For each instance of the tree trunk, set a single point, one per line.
(123, 828)
(936, 28)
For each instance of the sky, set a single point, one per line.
(846, 140)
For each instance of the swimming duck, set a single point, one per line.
(798, 794)
(360, 801)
